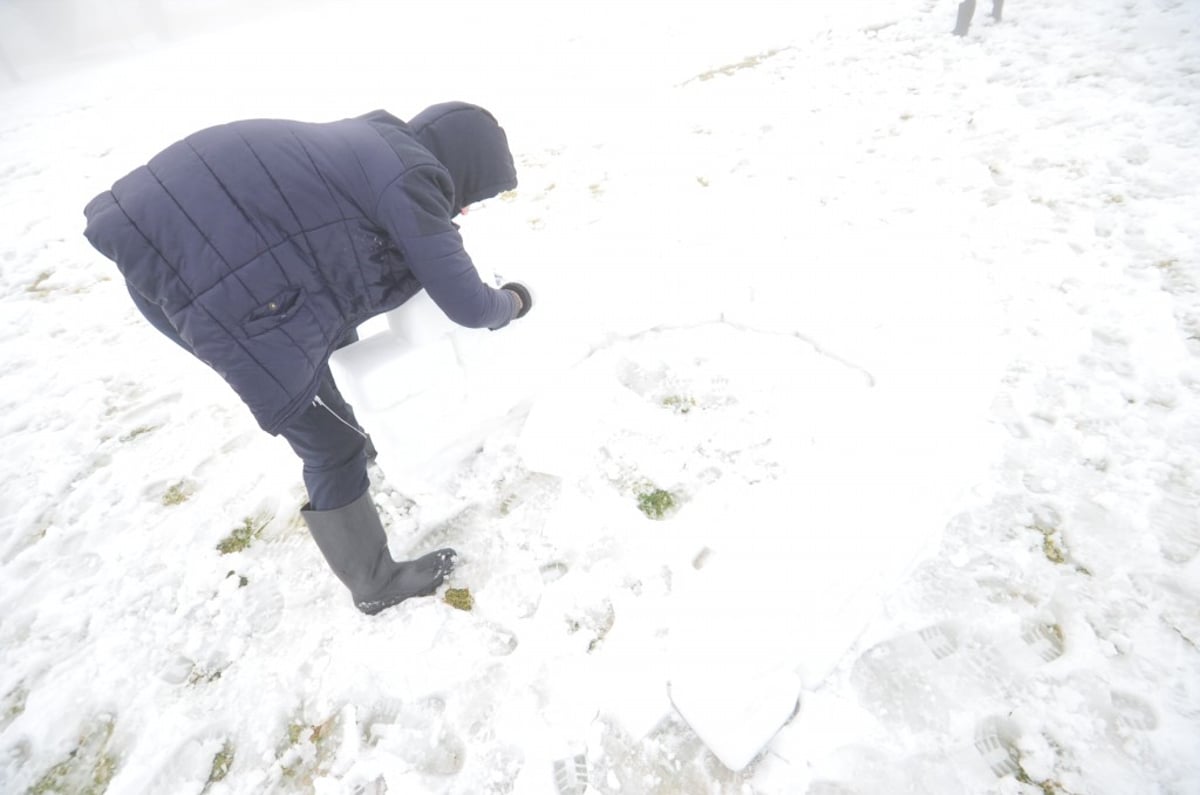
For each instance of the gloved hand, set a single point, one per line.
(523, 296)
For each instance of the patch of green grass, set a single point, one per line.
(307, 751)
(103, 772)
(602, 630)
(679, 403)
(13, 705)
(749, 62)
(1051, 547)
(203, 676)
(1047, 787)
(598, 620)
(242, 536)
(656, 503)
(37, 286)
(140, 430)
(87, 770)
(178, 493)
(295, 732)
(1052, 550)
(221, 764)
(459, 598)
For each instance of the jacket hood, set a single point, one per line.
(471, 144)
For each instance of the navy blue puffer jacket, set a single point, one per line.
(264, 243)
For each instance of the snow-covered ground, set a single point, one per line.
(906, 324)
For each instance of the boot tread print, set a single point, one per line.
(420, 577)
(571, 775)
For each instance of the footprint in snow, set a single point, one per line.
(1045, 641)
(921, 677)
(183, 766)
(127, 406)
(1130, 713)
(552, 571)
(996, 743)
(418, 734)
(263, 604)
(500, 641)
(917, 678)
(1176, 524)
(571, 775)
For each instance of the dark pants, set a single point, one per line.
(333, 448)
(326, 437)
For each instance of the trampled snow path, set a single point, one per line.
(997, 227)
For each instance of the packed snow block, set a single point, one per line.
(403, 395)
(409, 383)
(749, 632)
(793, 573)
(735, 688)
(428, 390)
(752, 705)
(420, 322)
(634, 651)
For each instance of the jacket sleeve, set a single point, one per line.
(415, 212)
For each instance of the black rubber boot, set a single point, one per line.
(354, 543)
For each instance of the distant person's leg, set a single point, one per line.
(966, 10)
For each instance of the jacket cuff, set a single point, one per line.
(514, 304)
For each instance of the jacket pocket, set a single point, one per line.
(278, 310)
